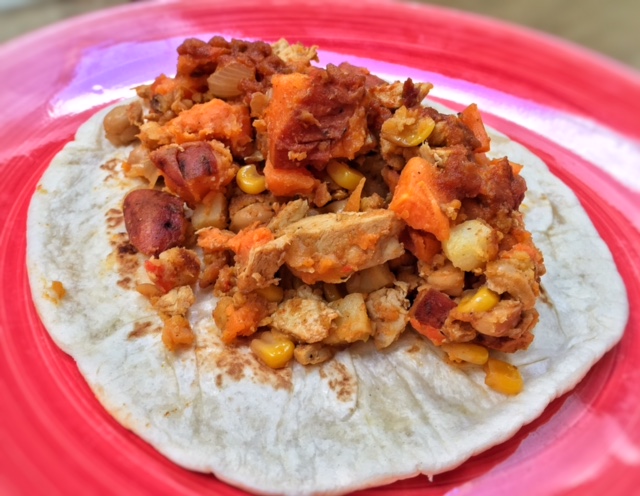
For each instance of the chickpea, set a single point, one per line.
(118, 126)
(255, 212)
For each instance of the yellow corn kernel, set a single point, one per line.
(503, 377)
(274, 351)
(250, 181)
(343, 175)
(407, 128)
(466, 352)
(482, 300)
(273, 293)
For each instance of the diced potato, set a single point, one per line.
(470, 245)
(353, 324)
(212, 212)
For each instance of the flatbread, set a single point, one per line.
(365, 418)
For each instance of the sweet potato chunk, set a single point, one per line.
(416, 199)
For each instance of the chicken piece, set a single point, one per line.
(388, 310)
(261, 265)
(296, 56)
(176, 302)
(305, 320)
(291, 212)
(395, 95)
(312, 354)
(330, 247)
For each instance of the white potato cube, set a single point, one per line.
(471, 244)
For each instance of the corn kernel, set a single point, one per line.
(273, 293)
(466, 352)
(503, 377)
(250, 181)
(343, 175)
(482, 300)
(274, 351)
(407, 128)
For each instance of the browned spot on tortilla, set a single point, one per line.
(41, 189)
(110, 167)
(235, 363)
(141, 329)
(115, 217)
(126, 258)
(414, 349)
(339, 380)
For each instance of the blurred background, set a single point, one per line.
(609, 27)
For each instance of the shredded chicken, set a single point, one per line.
(176, 302)
(305, 320)
(388, 310)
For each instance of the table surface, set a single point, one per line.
(606, 27)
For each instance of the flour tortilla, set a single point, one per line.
(363, 419)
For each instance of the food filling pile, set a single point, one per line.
(323, 207)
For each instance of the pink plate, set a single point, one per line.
(578, 111)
